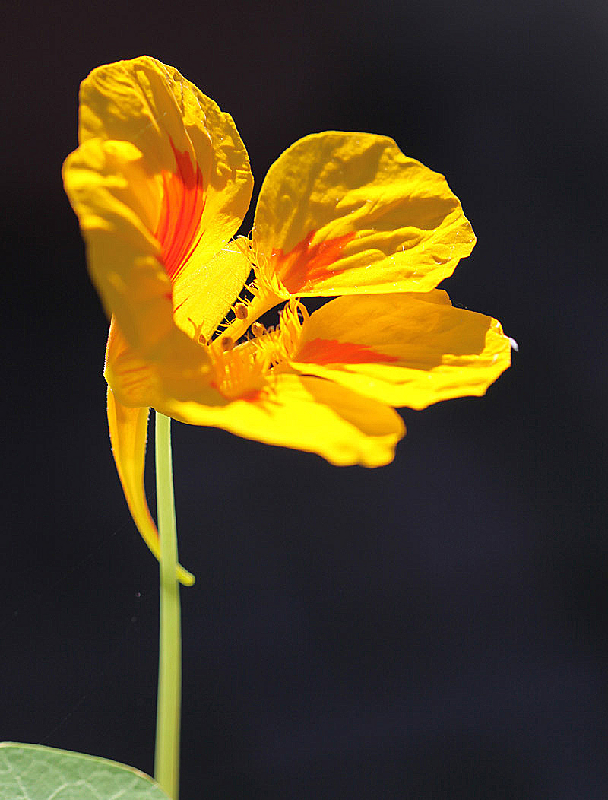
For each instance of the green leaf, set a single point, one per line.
(33, 772)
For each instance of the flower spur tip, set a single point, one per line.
(184, 577)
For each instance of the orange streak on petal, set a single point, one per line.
(309, 263)
(251, 397)
(331, 351)
(180, 215)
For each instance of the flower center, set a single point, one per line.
(242, 372)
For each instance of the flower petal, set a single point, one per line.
(115, 200)
(138, 381)
(204, 294)
(348, 213)
(153, 106)
(405, 349)
(309, 414)
(128, 433)
(160, 183)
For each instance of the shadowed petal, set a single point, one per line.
(128, 434)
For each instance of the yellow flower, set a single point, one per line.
(160, 183)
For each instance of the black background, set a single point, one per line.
(432, 629)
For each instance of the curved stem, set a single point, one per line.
(166, 760)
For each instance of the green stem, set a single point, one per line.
(166, 762)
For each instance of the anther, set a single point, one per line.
(258, 329)
(227, 343)
(240, 311)
(200, 338)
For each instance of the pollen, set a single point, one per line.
(240, 311)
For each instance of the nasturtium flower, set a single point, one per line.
(160, 183)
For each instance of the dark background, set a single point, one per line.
(434, 629)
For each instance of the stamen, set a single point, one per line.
(243, 370)
(198, 336)
(240, 311)
(293, 316)
(239, 371)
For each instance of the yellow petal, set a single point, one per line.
(134, 381)
(153, 106)
(115, 200)
(203, 295)
(307, 414)
(137, 381)
(128, 433)
(406, 349)
(348, 213)
(160, 183)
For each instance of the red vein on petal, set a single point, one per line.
(308, 263)
(181, 210)
(331, 351)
